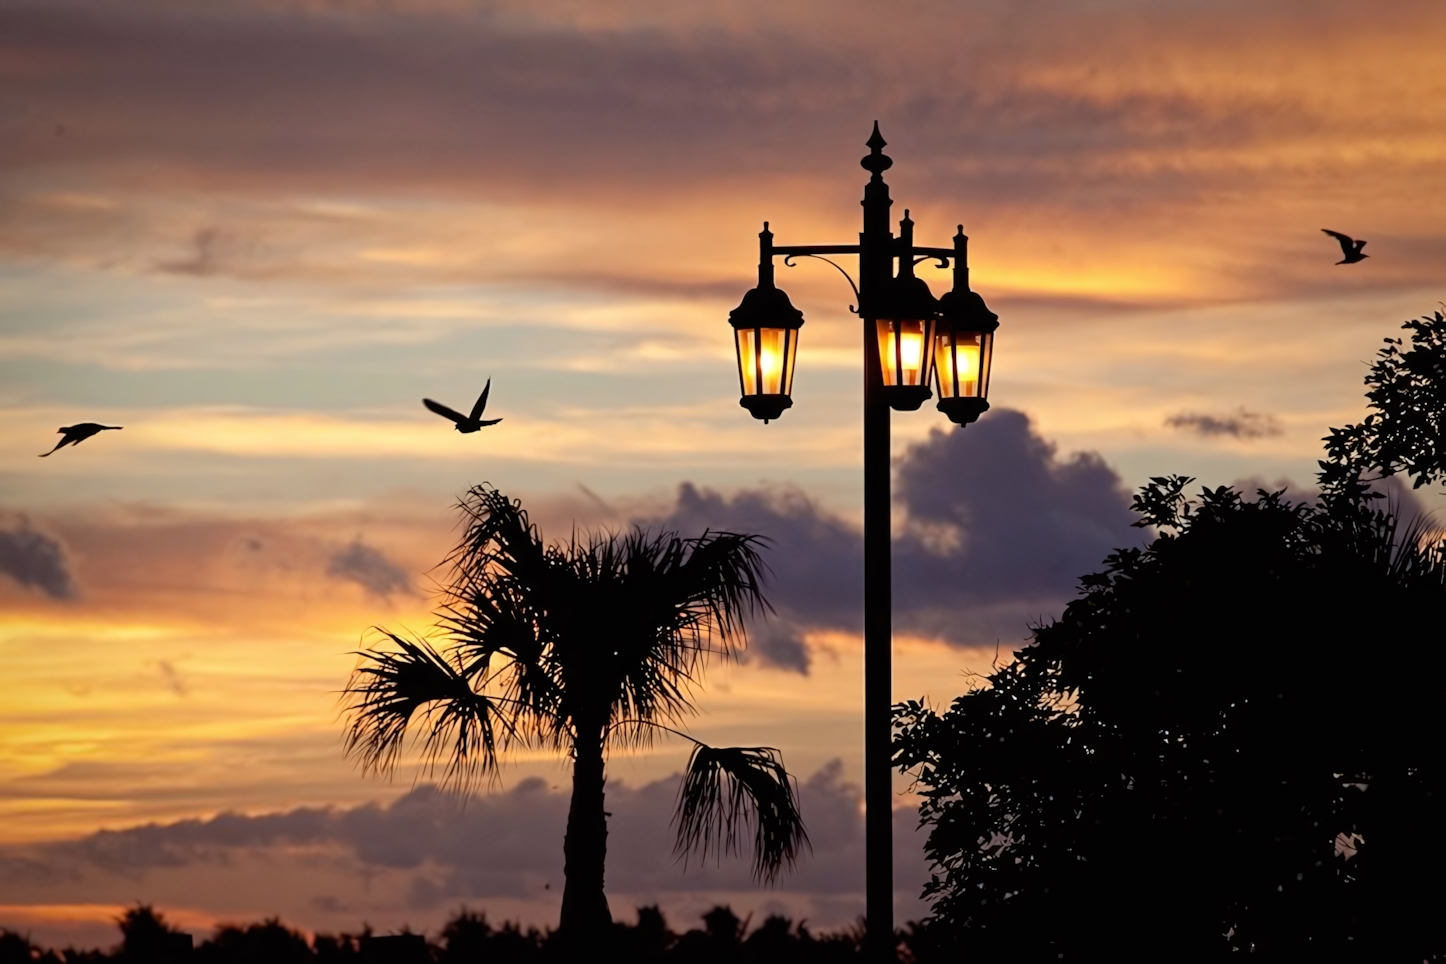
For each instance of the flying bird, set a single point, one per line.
(466, 424)
(75, 434)
(1350, 247)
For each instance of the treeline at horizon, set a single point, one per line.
(146, 937)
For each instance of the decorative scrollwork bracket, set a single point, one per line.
(788, 263)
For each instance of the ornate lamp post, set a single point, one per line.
(910, 339)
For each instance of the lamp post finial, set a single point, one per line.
(877, 162)
(876, 140)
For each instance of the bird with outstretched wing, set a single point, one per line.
(77, 433)
(466, 424)
(1350, 247)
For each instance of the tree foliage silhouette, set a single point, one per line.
(1405, 432)
(1231, 741)
(580, 647)
(16, 948)
(269, 942)
(148, 938)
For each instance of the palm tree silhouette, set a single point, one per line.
(580, 647)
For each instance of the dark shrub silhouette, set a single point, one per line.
(1231, 742)
(468, 937)
(578, 647)
(335, 948)
(269, 942)
(146, 938)
(647, 940)
(720, 939)
(404, 948)
(15, 948)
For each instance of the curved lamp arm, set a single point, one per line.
(788, 263)
(942, 261)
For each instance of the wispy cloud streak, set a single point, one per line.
(1241, 424)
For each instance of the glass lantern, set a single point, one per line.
(963, 352)
(765, 329)
(906, 360)
(905, 324)
(904, 320)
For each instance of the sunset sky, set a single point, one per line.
(257, 232)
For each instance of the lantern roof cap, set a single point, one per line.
(765, 307)
(966, 311)
(904, 297)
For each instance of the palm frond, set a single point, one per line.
(730, 793)
(392, 687)
(504, 581)
(672, 604)
(499, 540)
(724, 575)
(1419, 552)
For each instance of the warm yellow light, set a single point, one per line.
(771, 360)
(967, 358)
(765, 359)
(747, 361)
(911, 348)
(960, 360)
(901, 349)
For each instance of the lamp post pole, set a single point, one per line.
(875, 275)
(909, 338)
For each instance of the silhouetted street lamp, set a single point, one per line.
(964, 347)
(910, 339)
(765, 328)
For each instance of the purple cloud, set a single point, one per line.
(35, 560)
(998, 530)
(1238, 424)
(369, 568)
(506, 845)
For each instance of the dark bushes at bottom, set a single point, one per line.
(468, 938)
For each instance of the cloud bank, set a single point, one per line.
(162, 567)
(996, 530)
(35, 560)
(1113, 131)
(499, 848)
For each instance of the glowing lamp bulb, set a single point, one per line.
(968, 361)
(911, 350)
(771, 360)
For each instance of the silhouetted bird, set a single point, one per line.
(466, 423)
(75, 434)
(1350, 247)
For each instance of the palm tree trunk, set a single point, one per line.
(585, 915)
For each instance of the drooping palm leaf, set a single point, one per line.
(391, 687)
(731, 793)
